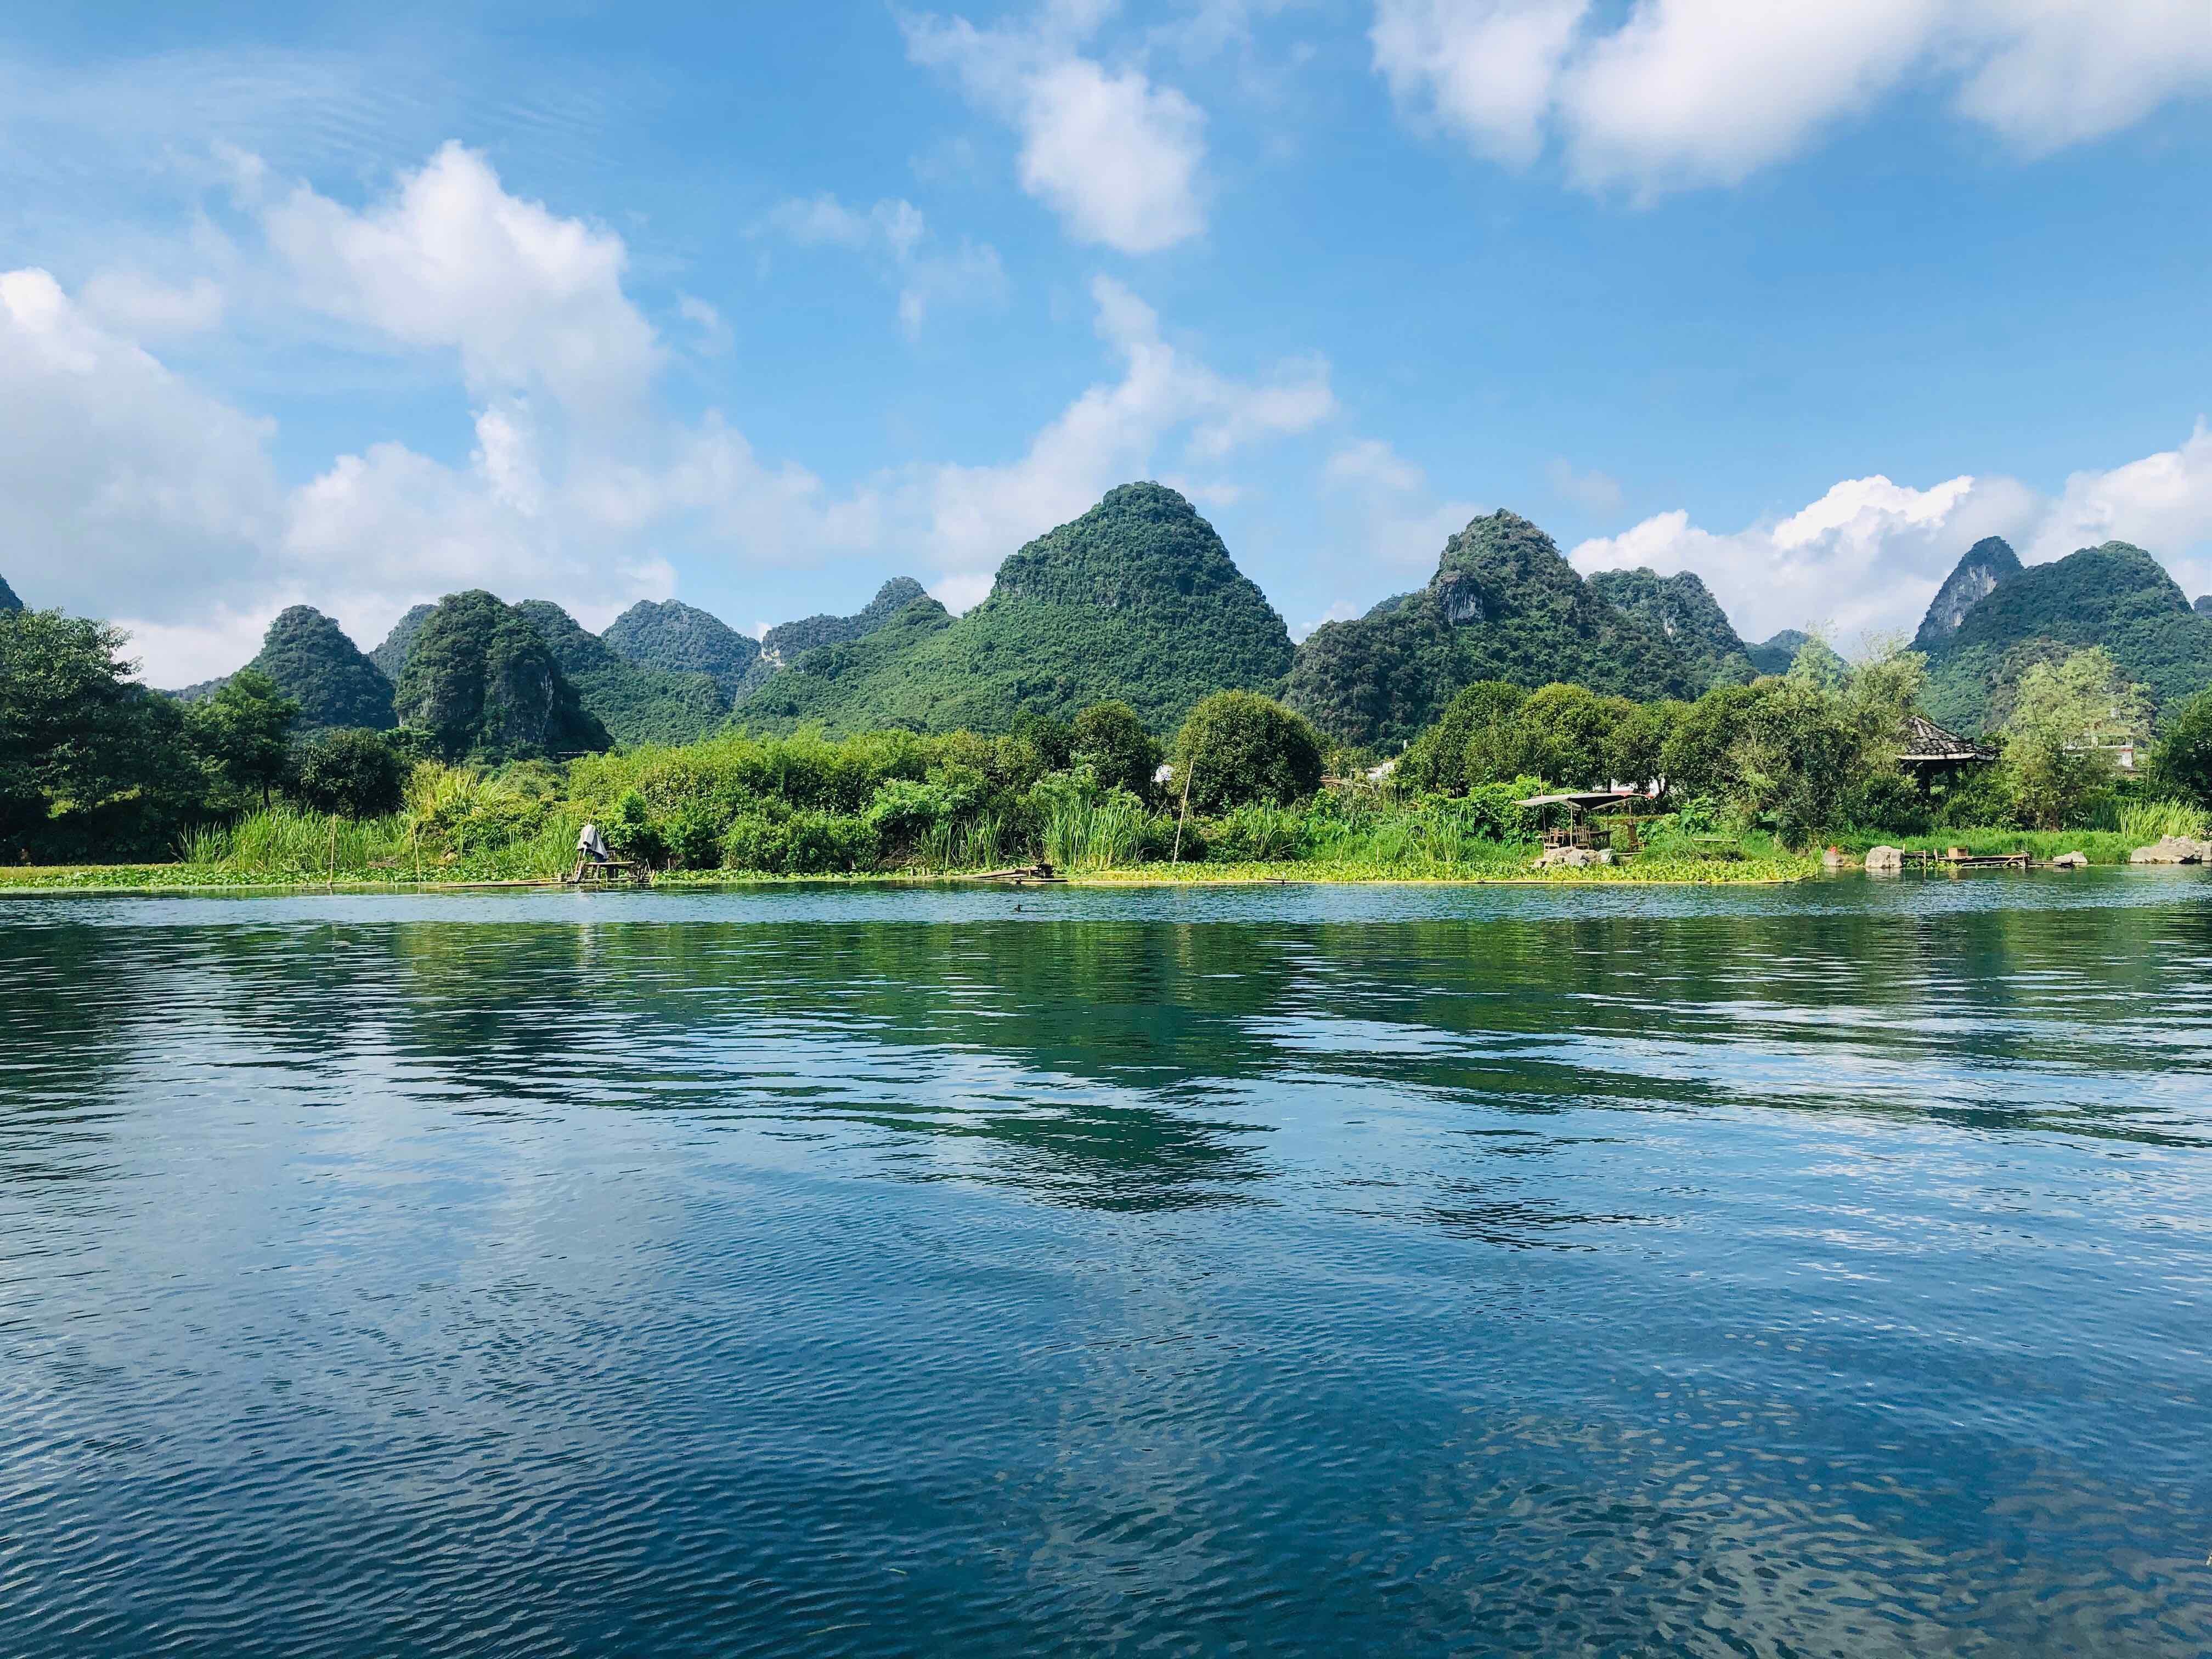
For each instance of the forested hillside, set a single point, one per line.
(1774, 654)
(391, 656)
(481, 683)
(1137, 600)
(313, 662)
(1681, 609)
(784, 644)
(1502, 605)
(681, 639)
(1987, 563)
(2116, 596)
(7, 599)
(636, 704)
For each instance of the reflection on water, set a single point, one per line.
(1817, 1270)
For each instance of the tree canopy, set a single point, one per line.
(312, 661)
(1683, 611)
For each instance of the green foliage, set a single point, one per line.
(1817, 666)
(2183, 763)
(786, 643)
(482, 684)
(673, 638)
(1237, 747)
(2115, 596)
(357, 775)
(1682, 611)
(1502, 605)
(391, 656)
(1774, 654)
(244, 732)
(7, 599)
(1136, 601)
(312, 662)
(636, 704)
(90, 762)
(1109, 738)
(2064, 719)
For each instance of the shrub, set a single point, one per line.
(1239, 747)
(2182, 763)
(354, 773)
(1109, 738)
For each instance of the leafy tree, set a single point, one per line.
(1816, 664)
(1567, 735)
(1109, 738)
(1237, 747)
(244, 732)
(90, 762)
(2182, 763)
(2062, 720)
(355, 774)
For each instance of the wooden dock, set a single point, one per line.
(1958, 857)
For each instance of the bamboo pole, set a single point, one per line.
(1189, 767)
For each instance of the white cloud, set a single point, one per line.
(715, 335)
(1869, 554)
(137, 305)
(1116, 155)
(896, 231)
(971, 517)
(1399, 526)
(529, 301)
(1679, 92)
(1593, 491)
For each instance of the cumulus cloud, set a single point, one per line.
(1114, 155)
(1869, 554)
(1678, 92)
(896, 233)
(971, 517)
(1593, 491)
(1398, 523)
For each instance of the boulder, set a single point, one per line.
(1573, 858)
(2070, 861)
(1834, 858)
(1885, 861)
(2173, 849)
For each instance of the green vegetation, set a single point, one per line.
(674, 638)
(1681, 609)
(2183, 764)
(391, 656)
(355, 775)
(1502, 605)
(784, 644)
(1987, 563)
(2115, 596)
(7, 599)
(1136, 601)
(243, 734)
(1237, 748)
(311, 659)
(2065, 716)
(635, 704)
(1774, 654)
(481, 683)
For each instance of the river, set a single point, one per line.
(1817, 1270)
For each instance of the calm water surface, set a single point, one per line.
(1806, 1271)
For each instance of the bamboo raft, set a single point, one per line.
(1021, 875)
(1958, 857)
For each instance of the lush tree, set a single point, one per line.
(356, 774)
(2182, 763)
(1567, 735)
(243, 733)
(1109, 738)
(310, 661)
(1471, 743)
(90, 762)
(1237, 747)
(1818, 665)
(2065, 719)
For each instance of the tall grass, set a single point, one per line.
(290, 840)
(2148, 820)
(1102, 834)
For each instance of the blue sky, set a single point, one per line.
(757, 307)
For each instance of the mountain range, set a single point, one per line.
(1137, 600)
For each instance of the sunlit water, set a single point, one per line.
(1822, 1270)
